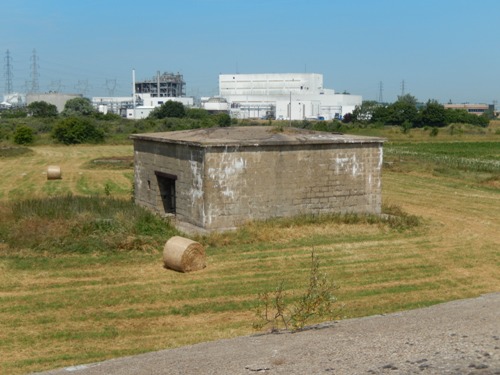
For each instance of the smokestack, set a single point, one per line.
(133, 91)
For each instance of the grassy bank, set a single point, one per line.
(83, 283)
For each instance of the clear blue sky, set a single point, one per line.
(441, 49)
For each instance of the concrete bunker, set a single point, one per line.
(218, 178)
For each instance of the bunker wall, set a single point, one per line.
(245, 183)
(155, 160)
(221, 187)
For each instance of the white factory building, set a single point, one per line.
(295, 96)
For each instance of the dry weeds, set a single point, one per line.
(55, 311)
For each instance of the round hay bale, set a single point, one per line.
(53, 172)
(183, 255)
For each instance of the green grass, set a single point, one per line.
(14, 151)
(68, 224)
(82, 279)
(468, 156)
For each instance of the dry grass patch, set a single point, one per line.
(61, 308)
(26, 175)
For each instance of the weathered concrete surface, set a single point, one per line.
(460, 337)
(227, 176)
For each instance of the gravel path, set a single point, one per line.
(459, 337)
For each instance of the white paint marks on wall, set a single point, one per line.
(196, 190)
(346, 164)
(355, 166)
(340, 164)
(225, 175)
(380, 157)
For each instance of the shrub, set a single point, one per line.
(14, 113)
(74, 224)
(347, 118)
(79, 107)
(406, 126)
(317, 301)
(168, 109)
(23, 135)
(197, 113)
(42, 109)
(223, 119)
(76, 130)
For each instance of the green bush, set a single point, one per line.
(42, 109)
(23, 135)
(91, 225)
(406, 126)
(223, 120)
(76, 130)
(14, 113)
(168, 109)
(79, 107)
(197, 113)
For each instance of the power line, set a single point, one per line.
(82, 86)
(111, 86)
(35, 87)
(8, 73)
(56, 85)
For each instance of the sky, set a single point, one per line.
(447, 50)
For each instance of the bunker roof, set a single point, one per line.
(253, 136)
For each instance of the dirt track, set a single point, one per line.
(460, 337)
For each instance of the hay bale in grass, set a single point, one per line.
(54, 172)
(183, 255)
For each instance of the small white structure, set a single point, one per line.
(144, 104)
(295, 96)
(14, 99)
(147, 103)
(214, 104)
(112, 104)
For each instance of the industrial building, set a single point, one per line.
(55, 98)
(476, 109)
(13, 100)
(154, 92)
(112, 104)
(219, 178)
(147, 95)
(164, 85)
(290, 96)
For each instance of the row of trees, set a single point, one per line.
(171, 109)
(42, 109)
(74, 125)
(407, 112)
(79, 122)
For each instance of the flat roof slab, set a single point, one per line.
(253, 136)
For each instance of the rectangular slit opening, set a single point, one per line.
(166, 185)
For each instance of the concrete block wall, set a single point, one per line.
(243, 183)
(183, 161)
(222, 186)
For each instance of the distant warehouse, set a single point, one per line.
(295, 96)
(476, 109)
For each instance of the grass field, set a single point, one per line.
(64, 308)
